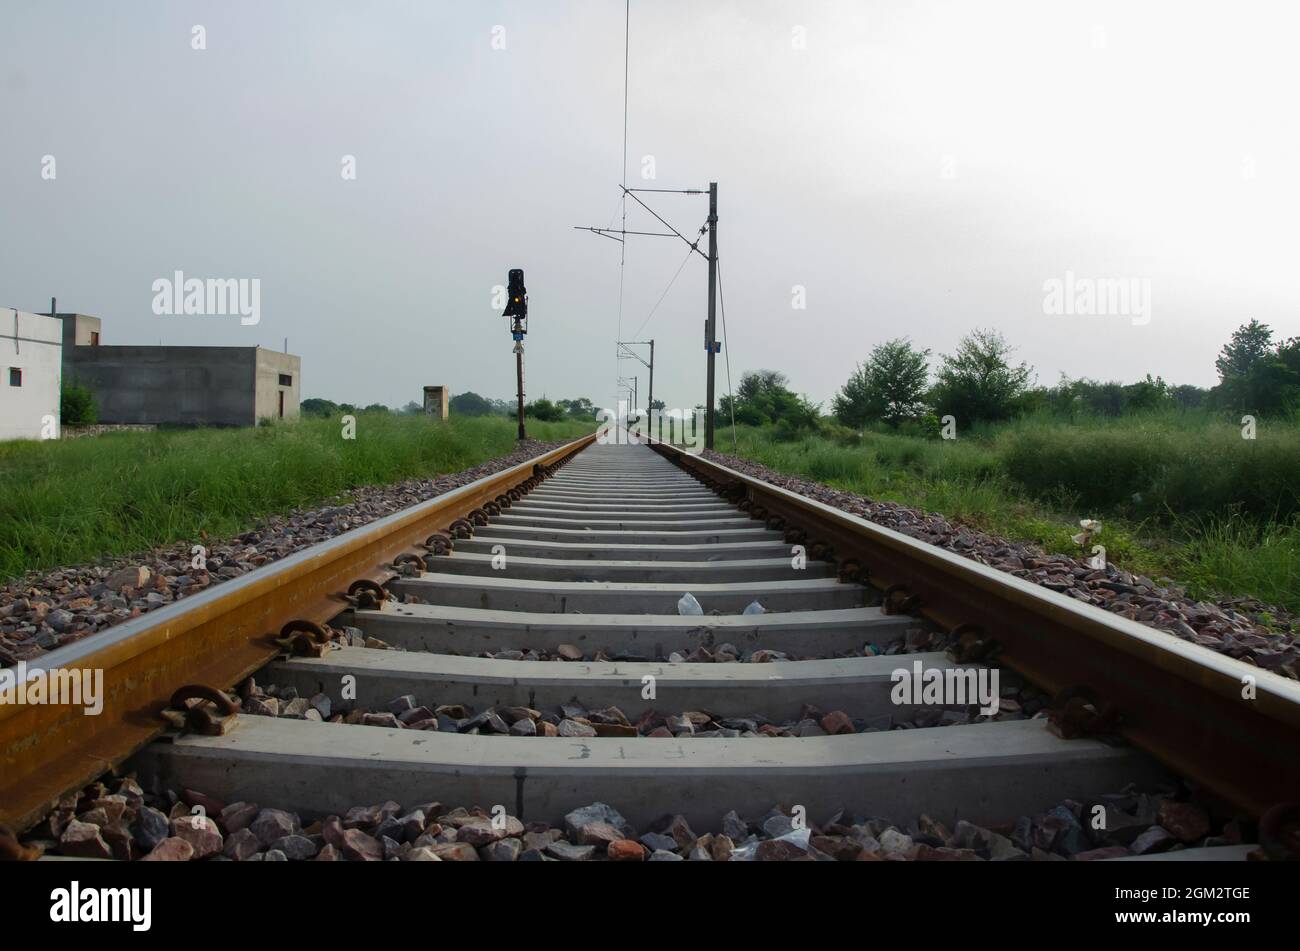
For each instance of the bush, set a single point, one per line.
(77, 405)
(544, 410)
(318, 407)
(763, 397)
(931, 428)
(787, 430)
(470, 404)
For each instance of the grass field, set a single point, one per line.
(77, 501)
(1181, 495)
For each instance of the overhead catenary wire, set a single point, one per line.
(694, 245)
(663, 295)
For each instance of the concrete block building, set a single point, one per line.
(184, 386)
(435, 401)
(31, 349)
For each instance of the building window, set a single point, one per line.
(286, 379)
(15, 376)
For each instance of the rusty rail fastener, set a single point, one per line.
(439, 543)
(305, 638)
(197, 717)
(409, 558)
(852, 571)
(909, 603)
(969, 644)
(367, 594)
(1077, 712)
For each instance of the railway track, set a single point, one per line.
(569, 573)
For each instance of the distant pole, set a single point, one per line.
(650, 400)
(710, 330)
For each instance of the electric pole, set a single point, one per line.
(625, 352)
(711, 344)
(710, 330)
(628, 390)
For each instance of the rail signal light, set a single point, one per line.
(517, 299)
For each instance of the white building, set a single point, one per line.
(31, 360)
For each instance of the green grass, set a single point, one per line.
(1180, 495)
(86, 499)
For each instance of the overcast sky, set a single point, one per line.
(918, 169)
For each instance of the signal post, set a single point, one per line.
(517, 309)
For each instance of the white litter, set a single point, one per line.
(688, 605)
(754, 608)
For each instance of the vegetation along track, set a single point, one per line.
(584, 553)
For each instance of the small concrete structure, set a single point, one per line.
(187, 386)
(80, 330)
(435, 401)
(30, 375)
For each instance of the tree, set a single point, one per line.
(889, 386)
(581, 408)
(756, 383)
(469, 404)
(1254, 375)
(375, 408)
(978, 383)
(1250, 346)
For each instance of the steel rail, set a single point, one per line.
(217, 637)
(1231, 727)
